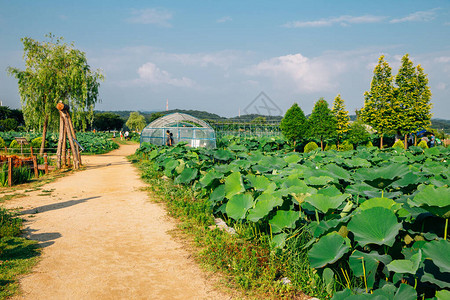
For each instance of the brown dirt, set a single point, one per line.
(103, 238)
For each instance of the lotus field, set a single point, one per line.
(378, 219)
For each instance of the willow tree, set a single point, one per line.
(55, 71)
(378, 111)
(322, 123)
(342, 118)
(136, 121)
(412, 101)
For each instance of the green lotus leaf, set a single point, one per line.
(233, 184)
(328, 280)
(436, 201)
(259, 183)
(408, 179)
(377, 225)
(357, 162)
(360, 189)
(237, 148)
(389, 291)
(371, 261)
(380, 202)
(209, 177)
(186, 176)
(329, 249)
(261, 168)
(325, 203)
(169, 167)
(292, 158)
(264, 204)
(382, 177)
(238, 205)
(409, 266)
(284, 219)
(405, 292)
(242, 164)
(439, 253)
(330, 191)
(433, 151)
(432, 273)
(223, 154)
(319, 181)
(217, 195)
(327, 225)
(278, 241)
(443, 295)
(338, 172)
(180, 167)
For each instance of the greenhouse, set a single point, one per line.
(184, 127)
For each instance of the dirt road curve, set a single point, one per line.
(103, 239)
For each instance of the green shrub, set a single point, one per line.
(311, 146)
(423, 144)
(369, 144)
(399, 144)
(332, 147)
(36, 143)
(2, 142)
(345, 146)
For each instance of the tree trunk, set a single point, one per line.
(381, 142)
(294, 145)
(321, 144)
(415, 140)
(406, 141)
(44, 133)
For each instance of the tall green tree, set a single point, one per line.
(412, 102)
(136, 121)
(293, 124)
(55, 71)
(342, 118)
(378, 111)
(108, 121)
(322, 123)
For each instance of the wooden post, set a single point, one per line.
(6, 150)
(10, 171)
(64, 146)
(31, 149)
(36, 171)
(45, 163)
(69, 132)
(74, 136)
(61, 140)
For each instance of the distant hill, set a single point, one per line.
(441, 124)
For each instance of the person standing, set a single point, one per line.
(432, 140)
(169, 138)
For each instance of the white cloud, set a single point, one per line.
(224, 19)
(342, 20)
(441, 86)
(160, 17)
(149, 73)
(223, 59)
(419, 16)
(442, 59)
(300, 73)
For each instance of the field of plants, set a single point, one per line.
(376, 220)
(93, 143)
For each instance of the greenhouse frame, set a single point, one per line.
(184, 127)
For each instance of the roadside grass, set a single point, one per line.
(245, 260)
(17, 254)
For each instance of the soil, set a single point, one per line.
(103, 238)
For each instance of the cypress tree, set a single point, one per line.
(293, 124)
(322, 123)
(342, 118)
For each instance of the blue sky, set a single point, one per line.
(219, 55)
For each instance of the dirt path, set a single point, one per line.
(103, 239)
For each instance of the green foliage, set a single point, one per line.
(330, 147)
(107, 121)
(361, 209)
(136, 121)
(10, 225)
(399, 144)
(422, 144)
(321, 122)
(293, 124)
(342, 118)
(311, 146)
(358, 134)
(377, 111)
(369, 144)
(36, 142)
(345, 146)
(2, 143)
(55, 71)
(412, 102)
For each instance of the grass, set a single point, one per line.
(245, 260)
(18, 256)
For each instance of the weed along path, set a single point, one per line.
(103, 239)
